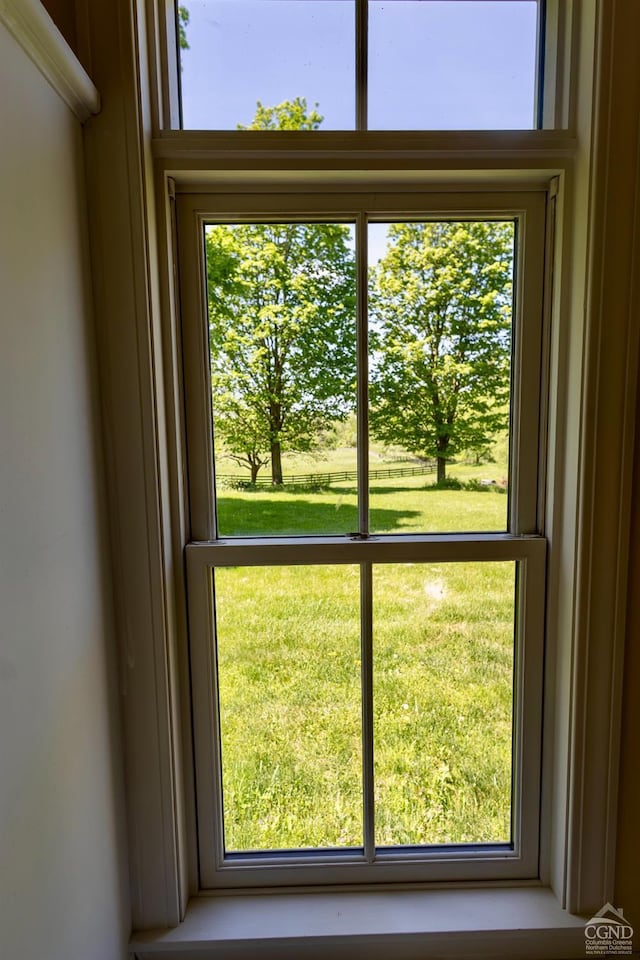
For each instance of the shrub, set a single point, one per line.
(476, 486)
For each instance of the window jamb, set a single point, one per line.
(556, 56)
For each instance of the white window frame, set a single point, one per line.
(523, 543)
(387, 865)
(132, 159)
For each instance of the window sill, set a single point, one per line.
(525, 923)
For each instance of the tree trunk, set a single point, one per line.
(276, 463)
(254, 471)
(441, 457)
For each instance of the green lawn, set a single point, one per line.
(397, 505)
(289, 667)
(403, 505)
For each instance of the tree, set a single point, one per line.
(183, 20)
(441, 336)
(288, 115)
(281, 330)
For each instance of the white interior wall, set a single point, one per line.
(62, 866)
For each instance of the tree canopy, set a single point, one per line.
(440, 304)
(281, 328)
(288, 115)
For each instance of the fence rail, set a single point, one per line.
(326, 479)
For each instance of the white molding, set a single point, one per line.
(41, 40)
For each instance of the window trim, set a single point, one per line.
(548, 165)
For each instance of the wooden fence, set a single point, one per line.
(326, 479)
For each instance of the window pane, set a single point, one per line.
(244, 52)
(441, 305)
(282, 337)
(443, 699)
(288, 641)
(457, 65)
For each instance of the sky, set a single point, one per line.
(433, 64)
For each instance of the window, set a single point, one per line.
(366, 643)
(590, 101)
(364, 64)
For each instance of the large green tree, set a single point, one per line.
(441, 311)
(281, 329)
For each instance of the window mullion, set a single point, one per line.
(366, 621)
(363, 374)
(362, 42)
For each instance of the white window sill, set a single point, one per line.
(522, 923)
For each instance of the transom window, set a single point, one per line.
(361, 64)
(366, 577)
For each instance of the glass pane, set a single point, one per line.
(239, 54)
(441, 306)
(288, 641)
(443, 700)
(282, 336)
(452, 64)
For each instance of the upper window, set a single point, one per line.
(360, 64)
(284, 372)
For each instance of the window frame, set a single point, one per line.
(555, 95)
(529, 380)
(486, 861)
(524, 542)
(544, 108)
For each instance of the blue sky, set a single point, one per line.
(433, 64)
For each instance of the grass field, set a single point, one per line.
(400, 505)
(289, 669)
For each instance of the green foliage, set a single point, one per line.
(478, 487)
(475, 485)
(447, 483)
(441, 334)
(288, 115)
(183, 20)
(344, 434)
(281, 332)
